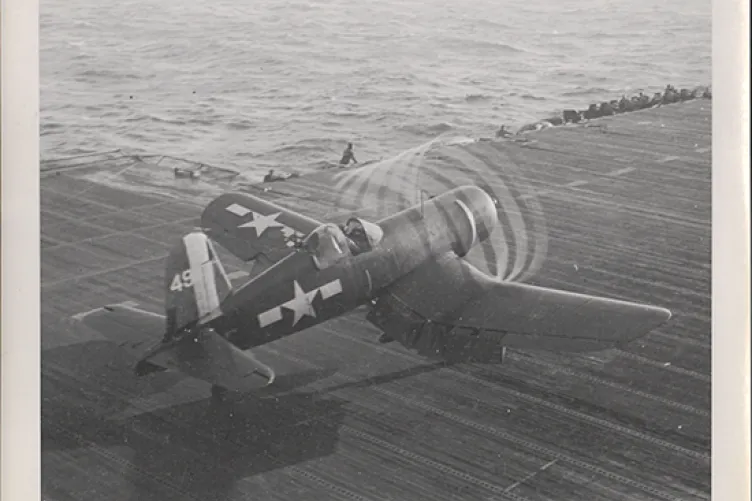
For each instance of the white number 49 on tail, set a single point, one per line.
(181, 281)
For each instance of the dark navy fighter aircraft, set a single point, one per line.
(408, 269)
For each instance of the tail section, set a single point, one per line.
(195, 282)
(207, 356)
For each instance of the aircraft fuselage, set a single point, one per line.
(299, 292)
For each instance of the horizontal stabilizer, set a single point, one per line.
(210, 357)
(134, 330)
(207, 356)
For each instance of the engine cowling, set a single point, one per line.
(464, 242)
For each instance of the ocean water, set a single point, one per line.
(262, 84)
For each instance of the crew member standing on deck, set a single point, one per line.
(347, 156)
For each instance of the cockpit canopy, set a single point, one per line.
(329, 243)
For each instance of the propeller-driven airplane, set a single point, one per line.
(409, 269)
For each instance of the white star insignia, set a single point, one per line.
(302, 303)
(261, 222)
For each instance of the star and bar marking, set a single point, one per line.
(262, 222)
(301, 304)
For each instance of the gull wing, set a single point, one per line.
(252, 228)
(451, 310)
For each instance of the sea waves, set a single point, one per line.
(253, 86)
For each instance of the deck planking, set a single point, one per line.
(627, 202)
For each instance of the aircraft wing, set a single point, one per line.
(250, 227)
(208, 357)
(451, 310)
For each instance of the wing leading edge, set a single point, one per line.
(451, 310)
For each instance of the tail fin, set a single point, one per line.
(195, 282)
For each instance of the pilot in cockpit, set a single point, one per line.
(357, 239)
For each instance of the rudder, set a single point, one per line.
(195, 282)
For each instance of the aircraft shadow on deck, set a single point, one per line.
(199, 448)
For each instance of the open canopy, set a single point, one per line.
(327, 244)
(330, 243)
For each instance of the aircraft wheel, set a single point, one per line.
(218, 394)
(385, 338)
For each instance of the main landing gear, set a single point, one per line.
(218, 394)
(384, 339)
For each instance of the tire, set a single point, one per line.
(218, 394)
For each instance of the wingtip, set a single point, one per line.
(658, 312)
(658, 316)
(667, 314)
(662, 315)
